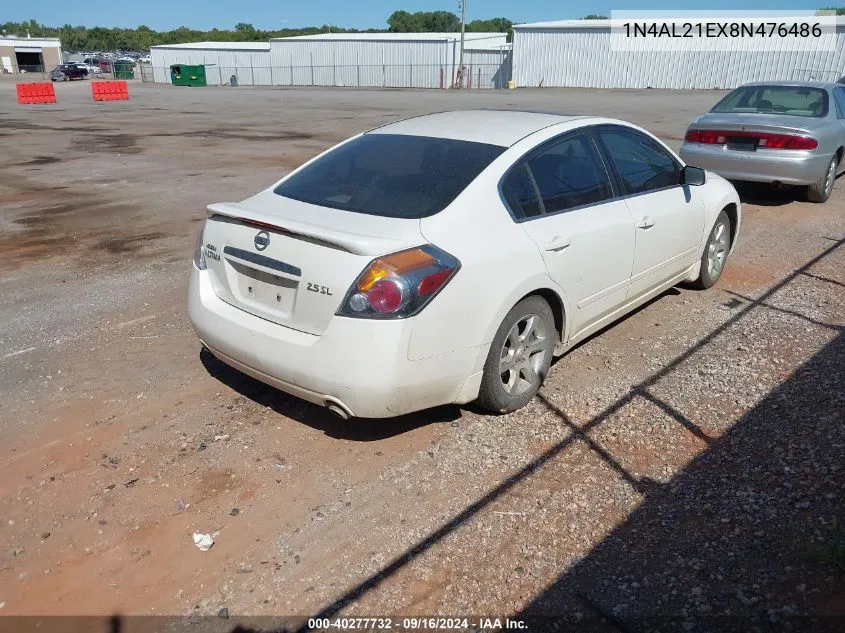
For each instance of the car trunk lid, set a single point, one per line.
(773, 123)
(744, 132)
(291, 262)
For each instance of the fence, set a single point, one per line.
(34, 69)
(815, 74)
(476, 76)
(41, 72)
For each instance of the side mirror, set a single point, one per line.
(693, 176)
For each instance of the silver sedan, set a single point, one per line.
(790, 133)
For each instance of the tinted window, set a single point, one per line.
(570, 174)
(792, 100)
(839, 97)
(642, 164)
(391, 175)
(520, 193)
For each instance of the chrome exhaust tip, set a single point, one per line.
(338, 411)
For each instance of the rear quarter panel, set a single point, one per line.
(497, 260)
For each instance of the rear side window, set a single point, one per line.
(520, 193)
(642, 164)
(570, 174)
(391, 175)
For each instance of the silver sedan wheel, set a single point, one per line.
(717, 250)
(829, 178)
(523, 355)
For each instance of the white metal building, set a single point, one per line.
(578, 53)
(488, 67)
(396, 60)
(248, 61)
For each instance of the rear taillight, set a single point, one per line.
(399, 285)
(763, 139)
(199, 253)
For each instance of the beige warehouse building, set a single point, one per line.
(29, 54)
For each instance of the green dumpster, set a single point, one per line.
(184, 75)
(124, 71)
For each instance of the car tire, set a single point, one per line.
(519, 357)
(715, 253)
(820, 190)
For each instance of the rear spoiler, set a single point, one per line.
(350, 242)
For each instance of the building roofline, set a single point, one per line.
(390, 36)
(232, 46)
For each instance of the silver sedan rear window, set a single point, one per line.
(790, 100)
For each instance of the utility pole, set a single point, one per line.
(463, 28)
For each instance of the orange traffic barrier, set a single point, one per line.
(36, 93)
(109, 91)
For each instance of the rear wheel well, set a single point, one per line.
(731, 212)
(555, 304)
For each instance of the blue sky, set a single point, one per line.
(271, 14)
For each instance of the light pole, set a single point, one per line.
(463, 4)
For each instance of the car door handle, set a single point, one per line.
(645, 223)
(558, 244)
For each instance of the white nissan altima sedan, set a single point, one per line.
(447, 258)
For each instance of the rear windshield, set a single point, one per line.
(391, 175)
(791, 100)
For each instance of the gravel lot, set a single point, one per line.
(680, 471)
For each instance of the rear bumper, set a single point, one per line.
(786, 166)
(358, 364)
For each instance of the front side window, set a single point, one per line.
(391, 175)
(642, 164)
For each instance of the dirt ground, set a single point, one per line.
(682, 470)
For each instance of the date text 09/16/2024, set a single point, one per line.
(417, 624)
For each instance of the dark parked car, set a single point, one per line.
(68, 72)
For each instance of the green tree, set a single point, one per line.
(495, 25)
(423, 22)
(440, 22)
(403, 22)
(593, 16)
(246, 32)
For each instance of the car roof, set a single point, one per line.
(494, 127)
(801, 84)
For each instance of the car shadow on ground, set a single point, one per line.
(356, 429)
(765, 195)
